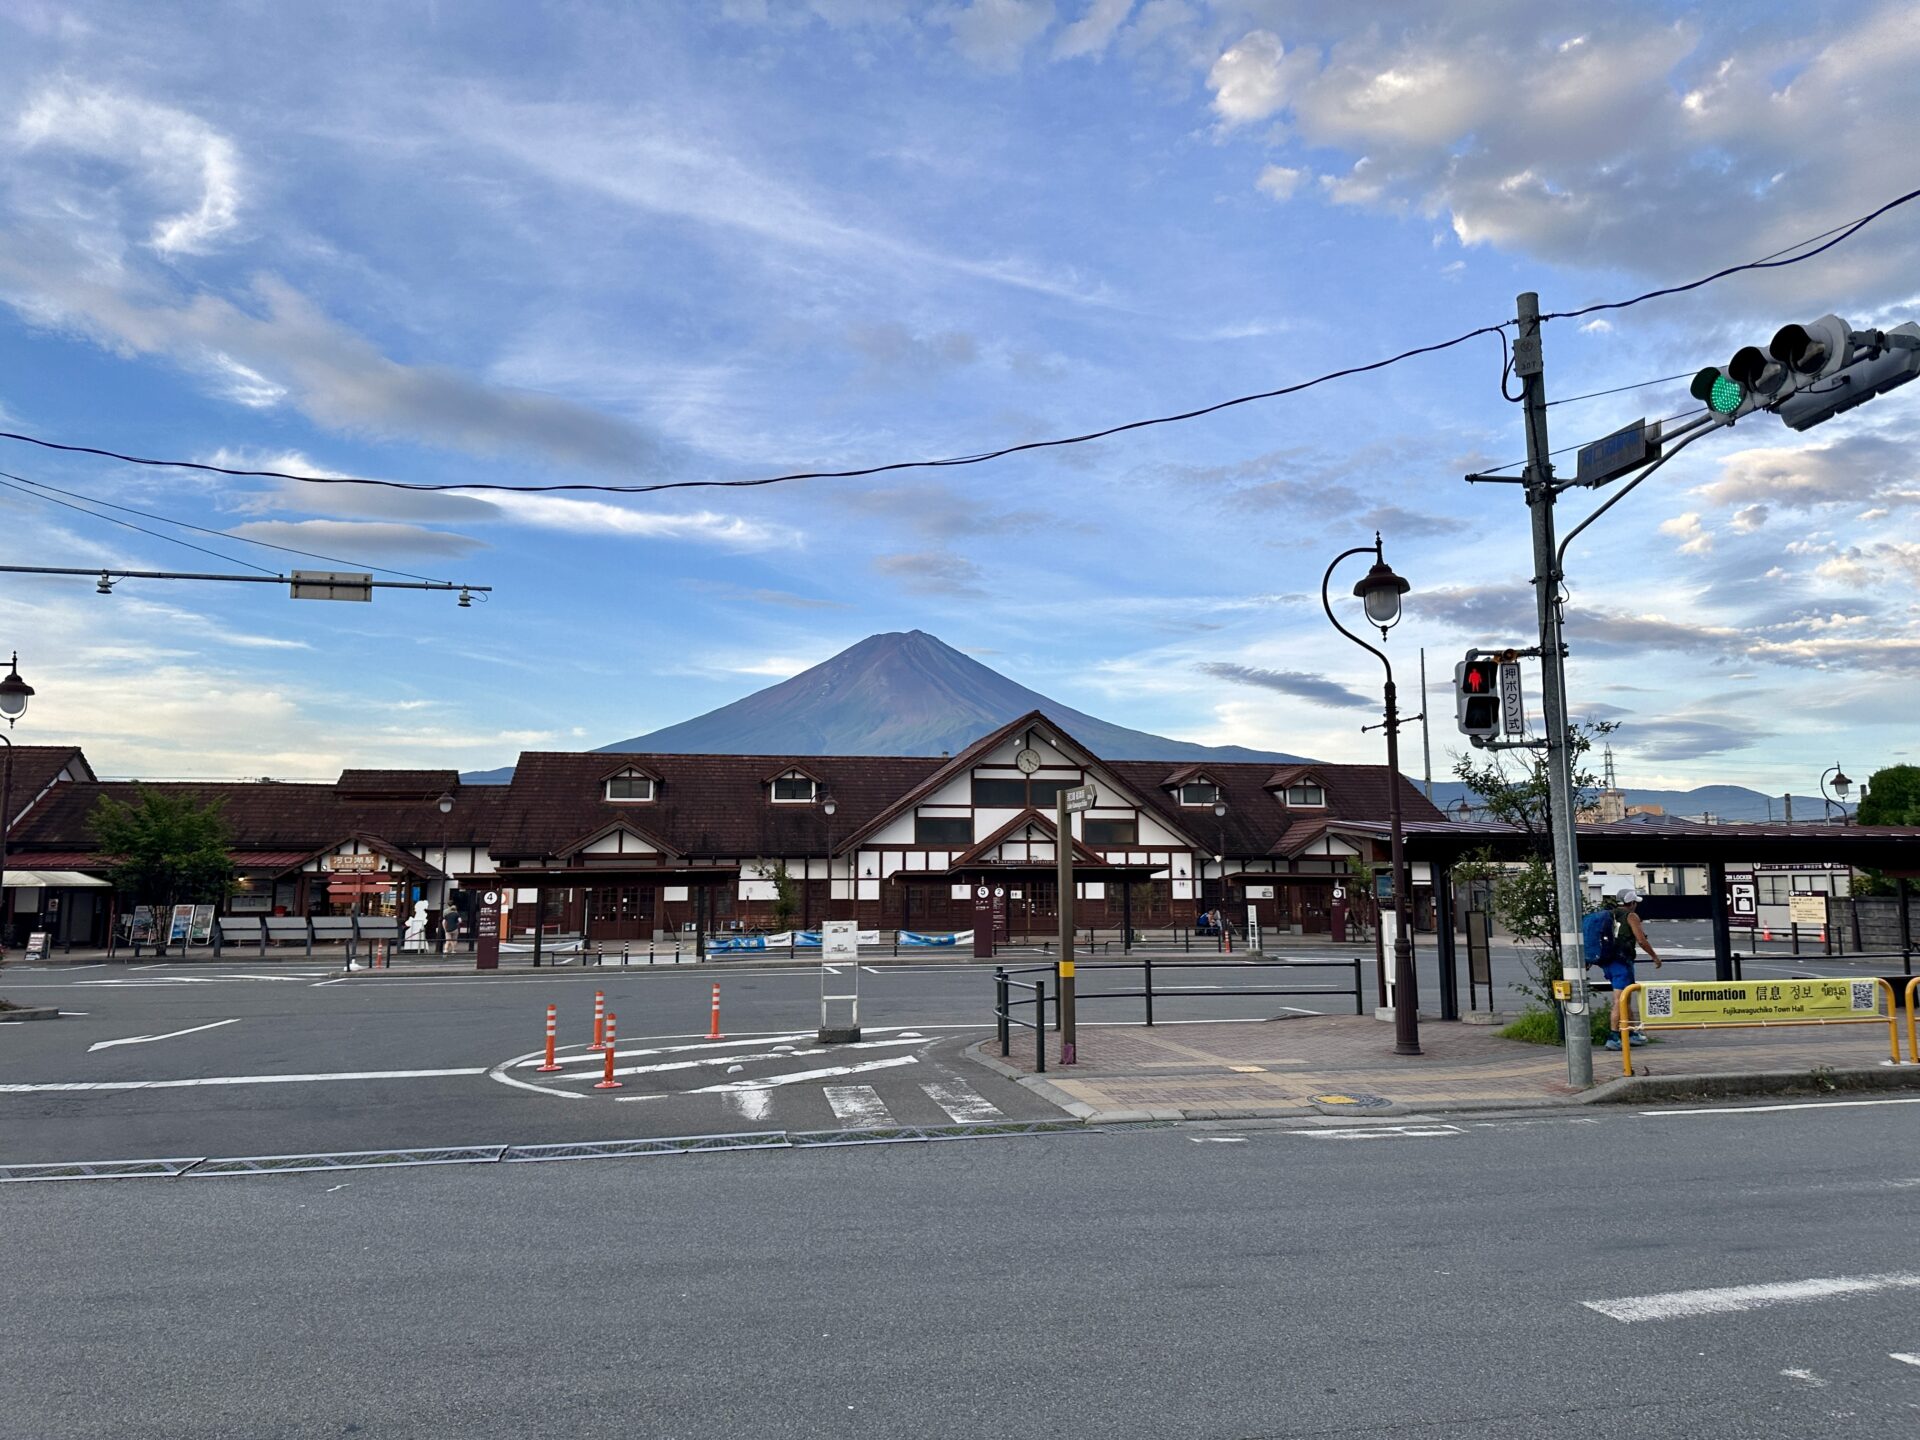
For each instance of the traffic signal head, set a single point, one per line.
(1476, 684)
(1818, 348)
(1886, 360)
(1796, 358)
(1718, 391)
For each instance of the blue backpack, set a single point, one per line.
(1596, 936)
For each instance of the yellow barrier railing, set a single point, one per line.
(1891, 1019)
(1913, 989)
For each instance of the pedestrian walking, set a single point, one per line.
(1629, 937)
(450, 928)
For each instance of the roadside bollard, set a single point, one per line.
(553, 1028)
(714, 1033)
(599, 1018)
(607, 1082)
(626, 949)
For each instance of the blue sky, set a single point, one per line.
(611, 244)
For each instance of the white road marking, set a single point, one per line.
(100, 1086)
(857, 1105)
(499, 1072)
(598, 1057)
(1772, 1109)
(803, 1075)
(1218, 1139)
(831, 969)
(963, 1104)
(1904, 1359)
(749, 1104)
(729, 1060)
(1733, 1299)
(1384, 1132)
(149, 1039)
(318, 983)
(1806, 1376)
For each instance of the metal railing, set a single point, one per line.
(1005, 1019)
(1148, 991)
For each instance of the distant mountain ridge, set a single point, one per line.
(1722, 802)
(901, 693)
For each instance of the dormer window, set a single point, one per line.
(794, 790)
(629, 787)
(1199, 792)
(1308, 795)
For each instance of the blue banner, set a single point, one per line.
(907, 937)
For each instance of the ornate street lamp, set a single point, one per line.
(14, 695)
(445, 806)
(1841, 784)
(1380, 591)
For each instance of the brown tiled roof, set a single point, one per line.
(34, 768)
(704, 804)
(1257, 820)
(432, 783)
(272, 816)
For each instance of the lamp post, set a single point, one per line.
(1220, 859)
(1380, 591)
(445, 806)
(14, 694)
(1841, 784)
(827, 807)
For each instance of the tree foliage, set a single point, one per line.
(1524, 899)
(1892, 798)
(171, 849)
(786, 896)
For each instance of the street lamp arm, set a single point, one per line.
(1327, 605)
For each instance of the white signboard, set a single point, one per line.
(1807, 909)
(1082, 798)
(1513, 709)
(840, 942)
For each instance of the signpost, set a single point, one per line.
(840, 947)
(1072, 802)
(486, 931)
(1724, 1004)
(1742, 899)
(1807, 908)
(985, 930)
(331, 585)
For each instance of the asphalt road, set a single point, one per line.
(188, 1059)
(1521, 1279)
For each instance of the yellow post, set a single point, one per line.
(1626, 1028)
(1913, 989)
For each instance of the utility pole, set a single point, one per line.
(1529, 365)
(1063, 875)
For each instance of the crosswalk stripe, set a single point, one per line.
(857, 1104)
(964, 1106)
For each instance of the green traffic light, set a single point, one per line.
(1722, 395)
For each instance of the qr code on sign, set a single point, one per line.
(1863, 996)
(1660, 1002)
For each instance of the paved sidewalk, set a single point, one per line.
(1336, 1064)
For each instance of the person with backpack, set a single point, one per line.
(1628, 936)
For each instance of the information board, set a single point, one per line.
(1749, 1002)
(1742, 899)
(486, 931)
(840, 942)
(37, 945)
(142, 933)
(181, 926)
(202, 931)
(1807, 909)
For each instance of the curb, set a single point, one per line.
(17, 1016)
(1623, 1090)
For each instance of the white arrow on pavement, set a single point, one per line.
(146, 1039)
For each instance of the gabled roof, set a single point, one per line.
(1292, 775)
(35, 767)
(1298, 836)
(612, 826)
(630, 766)
(793, 767)
(972, 856)
(969, 757)
(1184, 774)
(386, 849)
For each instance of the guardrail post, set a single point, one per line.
(1000, 1006)
(1040, 1027)
(1900, 891)
(1057, 1016)
(1359, 996)
(1146, 962)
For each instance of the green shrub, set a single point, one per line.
(1541, 1027)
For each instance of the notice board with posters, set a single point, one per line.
(142, 931)
(181, 926)
(202, 929)
(1807, 907)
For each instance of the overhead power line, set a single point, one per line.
(1778, 260)
(204, 530)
